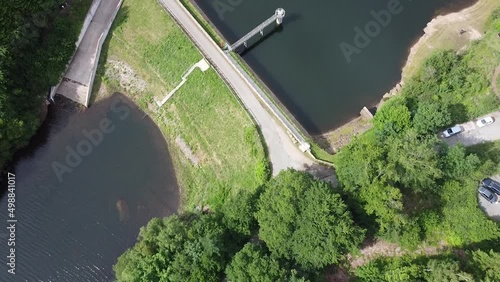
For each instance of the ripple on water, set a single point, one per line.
(74, 230)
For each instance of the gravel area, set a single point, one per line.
(472, 134)
(492, 210)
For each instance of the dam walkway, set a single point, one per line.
(283, 151)
(77, 82)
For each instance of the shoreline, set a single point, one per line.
(442, 32)
(466, 17)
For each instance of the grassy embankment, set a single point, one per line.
(444, 33)
(204, 112)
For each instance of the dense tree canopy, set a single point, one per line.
(36, 43)
(303, 220)
(191, 247)
(239, 212)
(399, 173)
(252, 263)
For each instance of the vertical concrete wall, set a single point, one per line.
(88, 18)
(98, 54)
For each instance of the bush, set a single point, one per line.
(301, 219)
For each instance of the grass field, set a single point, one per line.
(203, 113)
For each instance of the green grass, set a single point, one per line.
(321, 154)
(203, 112)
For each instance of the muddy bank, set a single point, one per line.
(453, 30)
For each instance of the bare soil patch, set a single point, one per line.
(338, 138)
(452, 31)
(379, 248)
(495, 82)
(125, 76)
(186, 150)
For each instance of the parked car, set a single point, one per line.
(485, 121)
(452, 131)
(491, 184)
(488, 194)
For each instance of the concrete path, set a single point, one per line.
(202, 65)
(77, 82)
(282, 151)
(472, 134)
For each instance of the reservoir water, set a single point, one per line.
(303, 63)
(84, 186)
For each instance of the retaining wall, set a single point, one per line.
(102, 39)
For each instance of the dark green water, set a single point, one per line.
(73, 228)
(303, 63)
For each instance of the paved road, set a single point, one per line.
(492, 210)
(77, 81)
(473, 135)
(282, 151)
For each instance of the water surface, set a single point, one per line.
(72, 227)
(303, 63)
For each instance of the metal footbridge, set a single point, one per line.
(278, 16)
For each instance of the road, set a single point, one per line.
(492, 210)
(282, 151)
(473, 134)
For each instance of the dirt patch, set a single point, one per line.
(494, 81)
(452, 31)
(125, 76)
(186, 150)
(338, 138)
(379, 248)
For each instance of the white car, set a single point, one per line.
(452, 131)
(485, 121)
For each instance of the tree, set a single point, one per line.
(190, 247)
(406, 268)
(413, 161)
(303, 220)
(487, 265)
(463, 221)
(360, 162)
(388, 270)
(253, 263)
(445, 270)
(457, 164)
(239, 212)
(385, 202)
(393, 116)
(431, 116)
(36, 43)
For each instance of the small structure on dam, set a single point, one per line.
(278, 16)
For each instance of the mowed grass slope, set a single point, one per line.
(204, 113)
